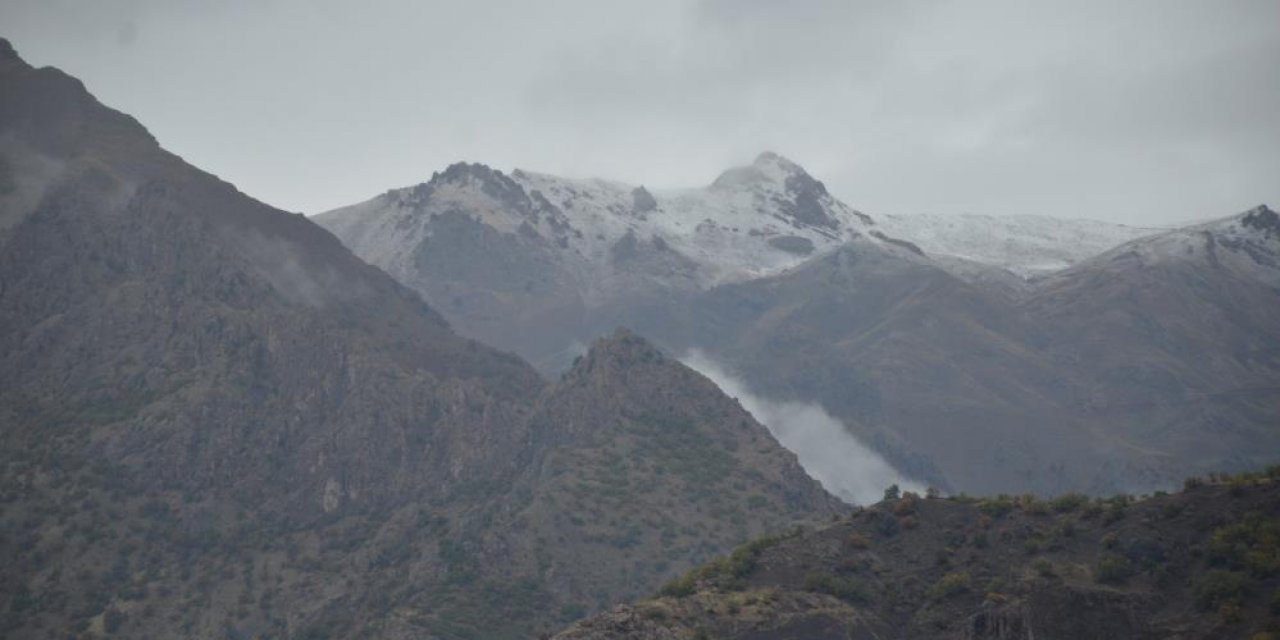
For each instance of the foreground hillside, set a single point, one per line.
(215, 421)
(1203, 563)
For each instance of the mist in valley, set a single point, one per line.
(825, 447)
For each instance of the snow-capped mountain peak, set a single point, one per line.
(752, 221)
(1246, 244)
(767, 168)
(1263, 220)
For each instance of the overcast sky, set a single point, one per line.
(1139, 112)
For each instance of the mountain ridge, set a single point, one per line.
(215, 420)
(918, 349)
(1026, 246)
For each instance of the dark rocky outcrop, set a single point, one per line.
(492, 182)
(642, 201)
(901, 243)
(792, 244)
(1263, 219)
(807, 201)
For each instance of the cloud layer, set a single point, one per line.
(826, 449)
(1150, 111)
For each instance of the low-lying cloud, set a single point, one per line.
(826, 449)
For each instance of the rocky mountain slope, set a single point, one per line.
(940, 376)
(637, 469)
(1121, 373)
(1175, 339)
(215, 421)
(1204, 563)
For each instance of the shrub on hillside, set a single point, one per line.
(950, 585)
(1069, 502)
(1253, 544)
(1043, 567)
(997, 506)
(843, 587)
(1217, 588)
(1112, 569)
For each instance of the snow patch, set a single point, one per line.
(1027, 246)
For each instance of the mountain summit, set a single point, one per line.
(556, 250)
(801, 199)
(767, 167)
(1262, 218)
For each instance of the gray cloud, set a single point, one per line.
(1145, 111)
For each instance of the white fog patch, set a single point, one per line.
(826, 449)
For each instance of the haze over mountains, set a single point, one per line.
(459, 409)
(1012, 354)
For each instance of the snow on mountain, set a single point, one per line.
(752, 221)
(599, 238)
(1246, 244)
(1027, 246)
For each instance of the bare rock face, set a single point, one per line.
(807, 206)
(642, 200)
(792, 244)
(1263, 219)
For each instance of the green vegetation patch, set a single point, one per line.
(726, 572)
(846, 588)
(1113, 568)
(1217, 588)
(950, 585)
(1252, 544)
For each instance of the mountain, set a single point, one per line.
(216, 421)
(751, 221)
(638, 468)
(1176, 339)
(568, 258)
(948, 345)
(1026, 246)
(940, 376)
(539, 264)
(1120, 373)
(1204, 563)
(644, 468)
